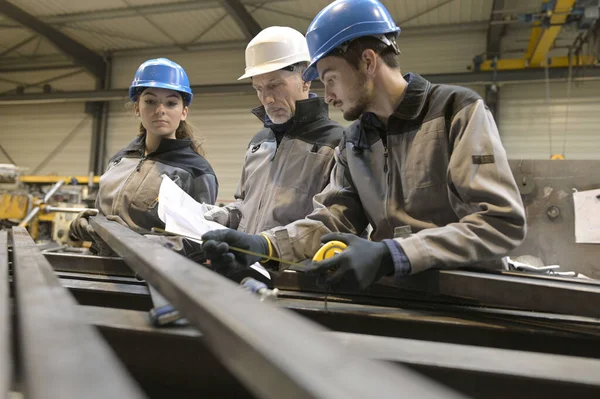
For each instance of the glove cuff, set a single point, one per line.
(269, 248)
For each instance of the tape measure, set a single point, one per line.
(329, 250)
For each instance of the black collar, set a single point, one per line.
(411, 106)
(138, 144)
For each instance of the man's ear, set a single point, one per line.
(370, 60)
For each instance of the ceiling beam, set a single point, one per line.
(242, 17)
(495, 31)
(18, 45)
(466, 78)
(547, 35)
(80, 54)
(135, 11)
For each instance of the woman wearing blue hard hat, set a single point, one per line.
(423, 165)
(165, 145)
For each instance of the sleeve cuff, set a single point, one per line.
(402, 265)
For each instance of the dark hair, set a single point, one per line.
(356, 47)
(185, 130)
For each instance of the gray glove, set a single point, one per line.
(219, 214)
(228, 216)
(81, 230)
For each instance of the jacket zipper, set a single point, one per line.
(385, 159)
(139, 165)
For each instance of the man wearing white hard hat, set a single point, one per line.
(290, 159)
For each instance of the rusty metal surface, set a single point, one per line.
(500, 373)
(6, 367)
(60, 356)
(64, 262)
(547, 192)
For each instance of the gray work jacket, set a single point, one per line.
(438, 166)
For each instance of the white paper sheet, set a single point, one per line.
(587, 216)
(184, 215)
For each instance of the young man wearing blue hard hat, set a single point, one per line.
(423, 165)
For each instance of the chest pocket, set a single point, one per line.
(308, 170)
(424, 176)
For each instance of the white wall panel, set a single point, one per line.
(30, 133)
(534, 128)
(422, 53)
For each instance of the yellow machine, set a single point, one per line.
(45, 210)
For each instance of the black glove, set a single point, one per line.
(357, 267)
(226, 261)
(80, 228)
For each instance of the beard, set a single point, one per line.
(281, 118)
(362, 100)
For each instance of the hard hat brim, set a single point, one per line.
(265, 68)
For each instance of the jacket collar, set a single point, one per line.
(415, 98)
(139, 143)
(307, 111)
(411, 106)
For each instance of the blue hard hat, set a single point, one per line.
(342, 21)
(162, 73)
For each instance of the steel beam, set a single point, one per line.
(80, 54)
(546, 38)
(495, 31)
(462, 324)
(104, 265)
(494, 37)
(6, 357)
(515, 373)
(577, 298)
(554, 62)
(467, 78)
(539, 366)
(242, 17)
(61, 357)
(269, 349)
(18, 45)
(149, 9)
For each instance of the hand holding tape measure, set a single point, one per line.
(349, 262)
(345, 261)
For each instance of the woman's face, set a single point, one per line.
(161, 111)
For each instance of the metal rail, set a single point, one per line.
(558, 374)
(61, 357)
(523, 291)
(5, 324)
(519, 292)
(272, 351)
(105, 265)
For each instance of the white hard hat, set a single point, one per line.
(274, 48)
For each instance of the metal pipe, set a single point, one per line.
(48, 209)
(53, 190)
(29, 216)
